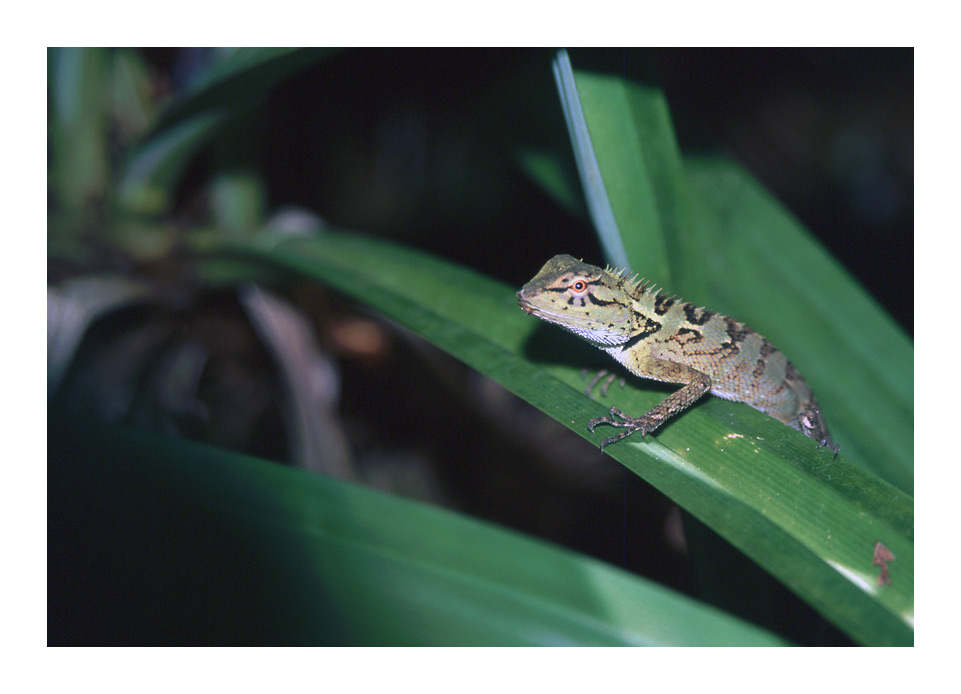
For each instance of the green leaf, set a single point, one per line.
(150, 178)
(809, 520)
(232, 87)
(79, 100)
(706, 230)
(240, 80)
(703, 229)
(859, 362)
(163, 541)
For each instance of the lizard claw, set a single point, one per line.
(833, 447)
(618, 419)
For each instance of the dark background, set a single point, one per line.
(420, 145)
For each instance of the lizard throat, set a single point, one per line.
(596, 335)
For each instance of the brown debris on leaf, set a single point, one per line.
(882, 555)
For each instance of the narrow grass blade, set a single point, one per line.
(598, 202)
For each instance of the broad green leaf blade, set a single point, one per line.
(808, 519)
(705, 231)
(164, 541)
(792, 290)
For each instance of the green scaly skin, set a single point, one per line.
(661, 337)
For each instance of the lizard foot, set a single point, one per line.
(603, 375)
(812, 425)
(620, 420)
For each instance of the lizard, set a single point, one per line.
(664, 338)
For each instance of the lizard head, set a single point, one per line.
(583, 299)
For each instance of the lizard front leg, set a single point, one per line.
(695, 383)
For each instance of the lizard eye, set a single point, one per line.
(579, 287)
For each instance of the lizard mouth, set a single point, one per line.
(532, 310)
(523, 303)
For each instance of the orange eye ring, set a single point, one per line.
(579, 286)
